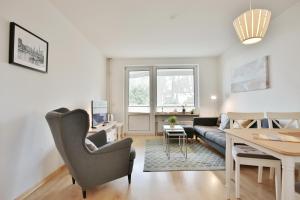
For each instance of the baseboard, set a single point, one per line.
(42, 182)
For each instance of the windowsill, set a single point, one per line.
(175, 114)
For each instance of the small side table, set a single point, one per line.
(176, 132)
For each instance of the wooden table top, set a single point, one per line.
(286, 148)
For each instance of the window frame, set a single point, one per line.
(128, 87)
(153, 79)
(176, 66)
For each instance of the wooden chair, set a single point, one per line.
(290, 120)
(246, 155)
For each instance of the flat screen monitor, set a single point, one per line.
(99, 113)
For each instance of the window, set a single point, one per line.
(175, 88)
(139, 92)
(161, 89)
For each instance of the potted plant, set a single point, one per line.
(172, 121)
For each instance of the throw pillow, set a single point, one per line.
(224, 122)
(90, 145)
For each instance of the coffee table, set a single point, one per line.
(175, 132)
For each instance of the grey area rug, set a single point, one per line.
(200, 158)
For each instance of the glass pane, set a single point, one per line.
(139, 91)
(175, 88)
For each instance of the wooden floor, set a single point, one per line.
(198, 185)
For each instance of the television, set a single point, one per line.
(99, 113)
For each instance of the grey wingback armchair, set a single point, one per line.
(109, 162)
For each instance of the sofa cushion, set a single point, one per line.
(250, 152)
(203, 129)
(216, 137)
(265, 123)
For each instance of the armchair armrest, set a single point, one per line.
(205, 121)
(99, 139)
(115, 146)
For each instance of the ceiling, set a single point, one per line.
(161, 28)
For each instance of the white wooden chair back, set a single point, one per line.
(255, 117)
(291, 117)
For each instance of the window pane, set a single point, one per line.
(175, 88)
(139, 91)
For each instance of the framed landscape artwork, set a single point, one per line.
(27, 49)
(252, 76)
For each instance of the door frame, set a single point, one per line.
(151, 114)
(153, 86)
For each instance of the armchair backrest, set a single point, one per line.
(254, 117)
(69, 129)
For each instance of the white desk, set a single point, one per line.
(114, 130)
(287, 152)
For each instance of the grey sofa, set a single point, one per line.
(109, 162)
(207, 128)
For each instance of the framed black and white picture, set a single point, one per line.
(27, 49)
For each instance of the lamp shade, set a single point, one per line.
(251, 26)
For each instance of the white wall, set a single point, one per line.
(208, 81)
(282, 44)
(76, 75)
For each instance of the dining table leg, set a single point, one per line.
(229, 161)
(288, 179)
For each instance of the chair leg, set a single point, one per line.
(73, 180)
(232, 169)
(272, 170)
(84, 194)
(237, 179)
(278, 182)
(260, 173)
(129, 178)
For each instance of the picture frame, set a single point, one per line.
(27, 49)
(251, 76)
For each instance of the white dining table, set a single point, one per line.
(287, 152)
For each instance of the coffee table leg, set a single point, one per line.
(168, 142)
(185, 147)
(164, 140)
(180, 143)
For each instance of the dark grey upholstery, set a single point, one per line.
(246, 151)
(297, 187)
(205, 121)
(189, 130)
(207, 129)
(216, 137)
(203, 129)
(109, 162)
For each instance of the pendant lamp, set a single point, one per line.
(252, 25)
